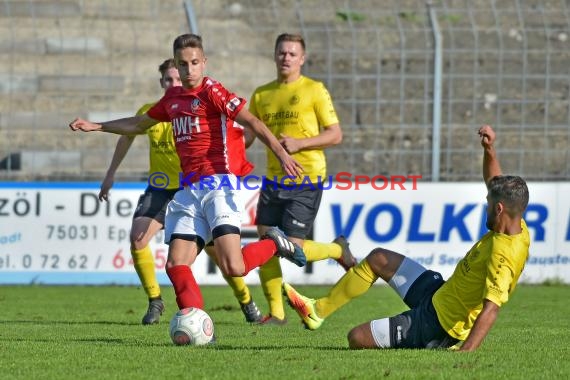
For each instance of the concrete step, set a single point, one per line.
(31, 161)
(81, 84)
(48, 9)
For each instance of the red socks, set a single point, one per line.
(186, 288)
(258, 253)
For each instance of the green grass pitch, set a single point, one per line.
(51, 332)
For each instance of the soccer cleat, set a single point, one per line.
(251, 312)
(270, 320)
(155, 309)
(304, 306)
(285, 247)
(346, 260)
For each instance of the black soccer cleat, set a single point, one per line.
(155, 309)
(285, 247)
(251, 312)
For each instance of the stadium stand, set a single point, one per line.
(502, 62)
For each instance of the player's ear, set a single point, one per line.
(499, 207)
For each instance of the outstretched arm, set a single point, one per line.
(491, 167)
(290, 166)
(481, 327)
(134, 125)
(123, 146)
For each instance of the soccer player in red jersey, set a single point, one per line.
(212, 155)
(150, 212)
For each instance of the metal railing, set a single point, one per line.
(502, 62)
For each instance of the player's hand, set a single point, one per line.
(83, 125)
(291, 145)
(291, 167)
(487, 135)
(105, 187)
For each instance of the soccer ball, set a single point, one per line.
(191, 326)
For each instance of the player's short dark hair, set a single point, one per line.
(187, 41)
(288, 37)
(164, 66)
(511, 190)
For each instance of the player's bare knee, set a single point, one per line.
(139, 244)
(355, 338)
(378, 258)
(384, 262)
(232, 269)
(139, 238)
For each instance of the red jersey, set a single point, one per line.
(208, 140)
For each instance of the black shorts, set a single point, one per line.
(292, 209)
(152, 203)
(419, 327)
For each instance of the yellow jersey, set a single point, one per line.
(162, 151)
(490, 270)
(297, 109)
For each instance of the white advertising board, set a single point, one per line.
(439, 222)
(59, 233)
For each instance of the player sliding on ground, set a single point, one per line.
(442, 313)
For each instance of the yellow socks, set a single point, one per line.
(271, 279)
(144, 265)
(271, 275)
(354, 283)
(241, 291)
(315, 251)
